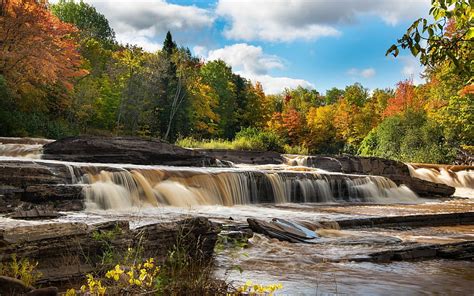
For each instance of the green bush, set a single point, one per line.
(246, 139)
(410, 137)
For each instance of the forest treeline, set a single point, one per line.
(63, 73)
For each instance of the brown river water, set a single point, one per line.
(148, 194)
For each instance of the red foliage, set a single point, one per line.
(404, 99)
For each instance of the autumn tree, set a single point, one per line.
(404, 99)
(321, 130)
(37, 52)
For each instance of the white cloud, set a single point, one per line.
(308, 20)
(274, 85)
(142, 21)
(365, 73)
(252, 63)
(249, 58)
(200, 51)
(412, 69)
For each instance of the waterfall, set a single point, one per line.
(189, 187)
(22, 147)
(460, 177)
(21, 150)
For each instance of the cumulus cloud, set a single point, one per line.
(252, 63)
(301, 19)
(274, 85)
(365, 73)
(141, 21)
(249, 58)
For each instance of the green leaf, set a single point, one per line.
(470, 33)
(417, 37)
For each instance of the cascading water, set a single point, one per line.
(192, 187)
(22, 147)
(462, 178)
(21, 150)
(116, 186)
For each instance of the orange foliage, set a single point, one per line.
(293, 124)
(36, 48)
(404, 99)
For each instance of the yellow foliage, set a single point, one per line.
(249, 288)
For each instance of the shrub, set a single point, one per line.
(22, 269)
(410, 137)
(246, 139)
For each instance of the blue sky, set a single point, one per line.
(313, 43)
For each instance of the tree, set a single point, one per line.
(36, 51)
(404, 99)
(85, 17)
(410, 137)
(169, 46)
(321, 130)
(294, 125)
(302, 99)
(218, 75)
(450, 38)
(356, 94)
(333, 95)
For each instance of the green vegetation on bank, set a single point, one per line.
(97, 86)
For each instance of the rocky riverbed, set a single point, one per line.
(378, 229)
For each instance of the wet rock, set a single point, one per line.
(35, 213)
(12, 286)
(428, 220)
(454, 251)
(124, 150)
(243, 156)
(283, 230)
(21, 174)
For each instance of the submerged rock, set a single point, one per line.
(132, 150)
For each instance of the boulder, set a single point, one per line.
(124, 150)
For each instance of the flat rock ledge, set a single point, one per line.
(132, 150)
(67, 251)
(427, 220)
